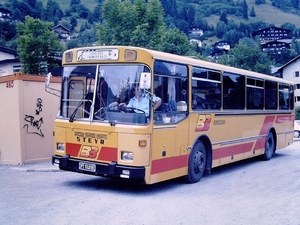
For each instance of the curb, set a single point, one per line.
(37, 169)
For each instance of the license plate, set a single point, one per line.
(87, 167)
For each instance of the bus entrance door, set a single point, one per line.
(169, 154)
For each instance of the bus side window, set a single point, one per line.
(206, 89)
(283, 96)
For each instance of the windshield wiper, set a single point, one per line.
(72, 117)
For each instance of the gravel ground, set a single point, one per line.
(248, 192)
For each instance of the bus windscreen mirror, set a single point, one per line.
(145, 81)
(48, 79)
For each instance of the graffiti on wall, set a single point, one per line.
(34, 122)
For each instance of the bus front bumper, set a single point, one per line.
(95, 168)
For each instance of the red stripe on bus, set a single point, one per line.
(224, 152)
(268, 122)
(108, 154)
(166, 164)
(260, 143)
(72, 149)
(285, 119)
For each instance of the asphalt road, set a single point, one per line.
(249, 192)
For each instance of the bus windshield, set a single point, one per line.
(96, 92)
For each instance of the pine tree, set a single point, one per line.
(245, 10)
(252, 12)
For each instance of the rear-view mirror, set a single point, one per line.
(48, 77)
(145, 80)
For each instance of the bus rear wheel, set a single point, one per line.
(197, 163)
(270, 147)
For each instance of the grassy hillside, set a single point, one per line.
(65, 4)
(265, 12)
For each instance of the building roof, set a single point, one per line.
(5, 10)
(6, 61)
(288, 63)
(9, 51)
(270, 30)
(61, 26)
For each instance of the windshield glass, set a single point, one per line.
(103, 93)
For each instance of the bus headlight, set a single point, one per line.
(60, 147)
(127, 156)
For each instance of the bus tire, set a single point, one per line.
(197, 163)
(270, 147)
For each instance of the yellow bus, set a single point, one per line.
(209, 115)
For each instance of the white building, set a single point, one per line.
(9, 61)
(196, 41)
(291, 71)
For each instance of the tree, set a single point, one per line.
(221, 29)
(258, 2)
(233, 36)
(97, 14)
(35, 42)
(175, 42)
(295, 4)
(247, 55)
(73, 22)
(7, 30)
(245, 10)
(223, 17)
(252, 12)
(53, 11)
(126, 23)
(119, 20)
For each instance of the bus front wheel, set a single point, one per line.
(270, 147)
(197, 163)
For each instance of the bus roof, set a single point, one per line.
(190, 60)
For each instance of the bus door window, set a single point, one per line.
(206, 89)
(170, 84)
(77, 91)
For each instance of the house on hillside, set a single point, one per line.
(273, 34)
(274, 47)
(9, 61)
(5, 14)
(291, 71)
(63, 32)
(221, 45)
(196, 41)
(196, 31)
(220, 48)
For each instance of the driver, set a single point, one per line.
(139, 101)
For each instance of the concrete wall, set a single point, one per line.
(27, 115)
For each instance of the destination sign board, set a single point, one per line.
(97, 54)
